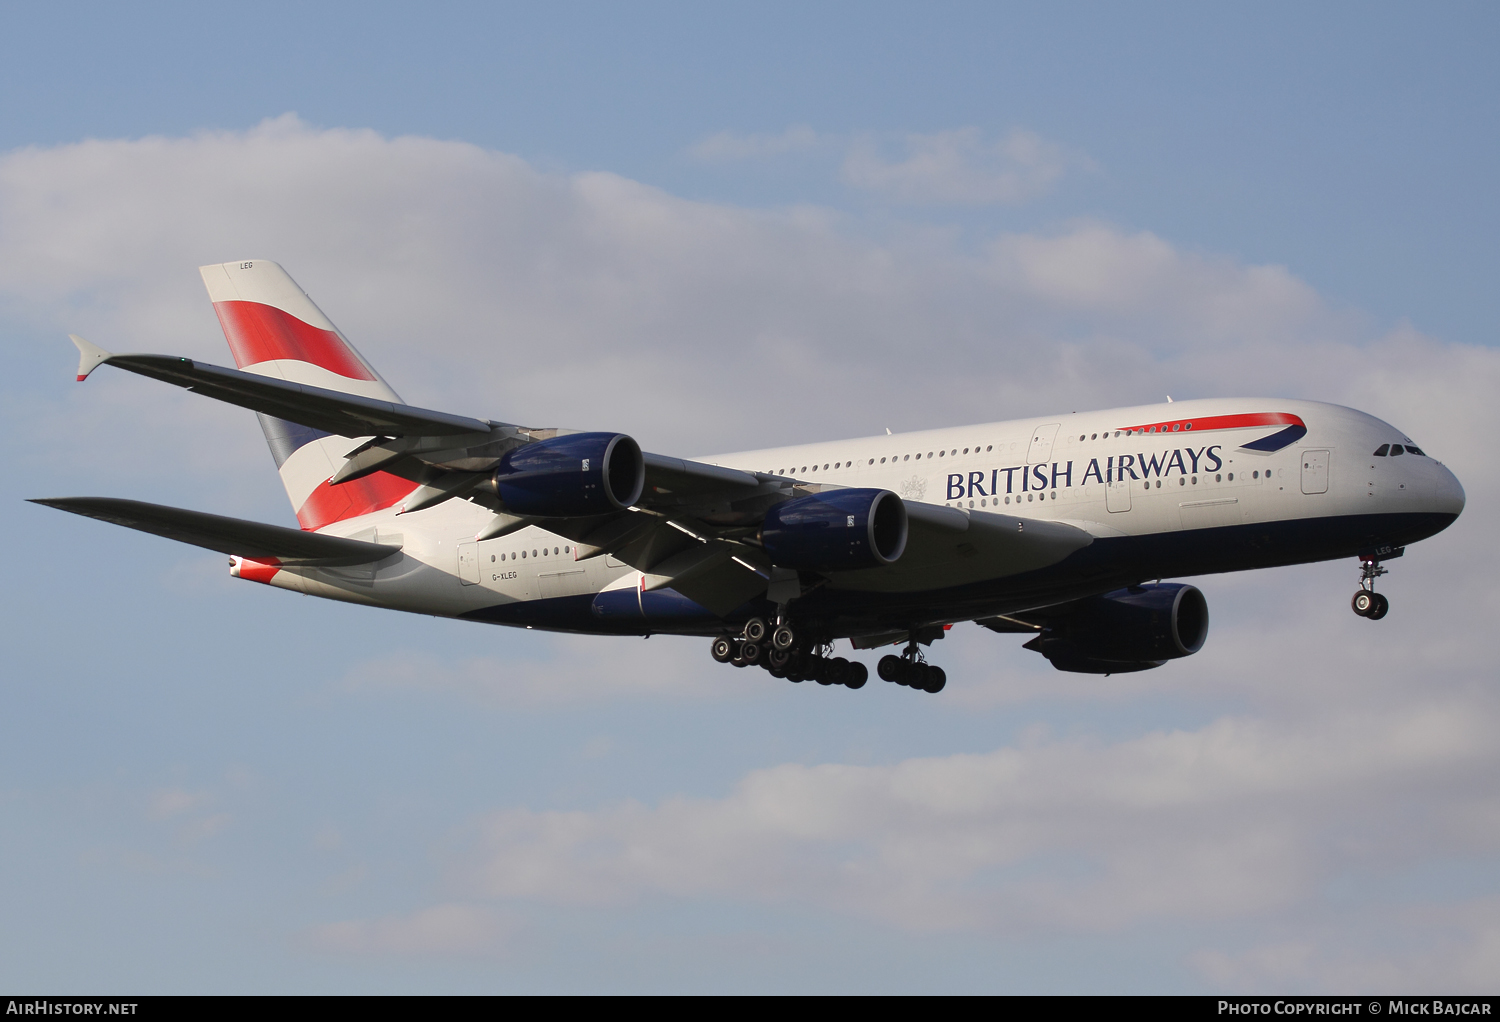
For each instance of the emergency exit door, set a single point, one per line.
(1039, 450)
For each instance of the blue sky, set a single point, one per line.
(722, 230)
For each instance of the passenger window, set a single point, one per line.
(1382, 451)
(1396, 450)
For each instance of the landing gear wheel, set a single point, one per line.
(722, 649)
(838, 671)
(796, 668)
(750, 652)
(858, 675)
(755, 630)
(890, 668)
(935, 680)
(1364, 603)
(783, 638)
(778, 659)
(1381, 609)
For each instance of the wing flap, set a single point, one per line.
(253, 540)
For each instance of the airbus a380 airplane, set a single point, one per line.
(1054, 526)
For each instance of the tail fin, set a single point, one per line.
(274, 329)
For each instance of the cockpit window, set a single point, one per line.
(1396, 449)
(1382, 450)
(1414, 450)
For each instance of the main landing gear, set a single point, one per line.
(778, 651)
(912, 670)
(1367, 602)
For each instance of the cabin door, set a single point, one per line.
(1314, 471)
(468, 563)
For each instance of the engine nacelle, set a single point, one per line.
(577, 474)
(1132, 629)
(836, 530)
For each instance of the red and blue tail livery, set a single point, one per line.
(274, 329)
(1061, 528)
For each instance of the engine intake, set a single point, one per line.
(576, 474)
(836, 530)
(1132, 629)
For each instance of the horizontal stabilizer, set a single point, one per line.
(329, 410)
(252, 540)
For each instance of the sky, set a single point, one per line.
(717, 230)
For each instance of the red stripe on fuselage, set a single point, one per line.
(1202, 422)
(329, 504)
(259, 333)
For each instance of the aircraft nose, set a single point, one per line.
(1449, 496)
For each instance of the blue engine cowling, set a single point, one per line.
(1132, 629)
(836, 530)
(577, 474)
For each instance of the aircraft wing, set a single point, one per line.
(253, 540)
(693, 527)
(948, 547)
(328, 410)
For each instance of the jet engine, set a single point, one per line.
(836, 530)
(1132, 629)
(576, 474)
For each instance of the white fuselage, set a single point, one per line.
(1104, 472)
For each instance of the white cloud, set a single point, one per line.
(956, 167)
(480, 284)
(1239, 818)
(959, 167)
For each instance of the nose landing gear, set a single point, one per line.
(912, 670)
(1367, 602)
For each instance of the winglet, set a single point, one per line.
(90, 356)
